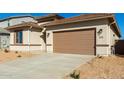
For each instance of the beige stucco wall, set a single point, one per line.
(35, 37)
(49, 40)
(18, 48)
(113, 36)
(102, 39)
(12, 38)
(102, 50)
(35, 40)
(25, 36)
(25, 48)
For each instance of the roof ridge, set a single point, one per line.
(48, 15)
(101, 14)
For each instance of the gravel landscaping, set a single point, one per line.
(12, 55)
(111, 67)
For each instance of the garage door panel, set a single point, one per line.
(72, 48)
(74, 42)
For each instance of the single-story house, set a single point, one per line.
(4, 38)
(87, 34)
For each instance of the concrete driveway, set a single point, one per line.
(44, 66)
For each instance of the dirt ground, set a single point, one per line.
(111, 67)
(11, 55)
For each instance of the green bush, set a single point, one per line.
(75, 74)
(6, 50)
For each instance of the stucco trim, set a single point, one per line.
(102, 45)
(48, 44)
(25, 45)
(76, 28)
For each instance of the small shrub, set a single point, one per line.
(98, 56)
(16, 52)
(6, 50)
(75, 74)
(19, 56)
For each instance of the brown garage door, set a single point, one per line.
(75, 42)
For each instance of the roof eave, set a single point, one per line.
(111, 16)
(78, 21)
(48, 16)
(21, 27)
(116, 25)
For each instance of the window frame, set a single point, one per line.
(16, 37)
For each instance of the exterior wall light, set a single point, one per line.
(100, 31)
(48, 34)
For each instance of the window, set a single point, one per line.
(23, 21)
(8, 23)
(19, 37)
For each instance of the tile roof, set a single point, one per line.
(82, 17)
(25, 24)
(49, 15)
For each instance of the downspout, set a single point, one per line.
(109, 41)
(29, 38)
(109, 35)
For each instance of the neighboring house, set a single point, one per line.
(4, 38)
(87, 34)
(10, 21)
